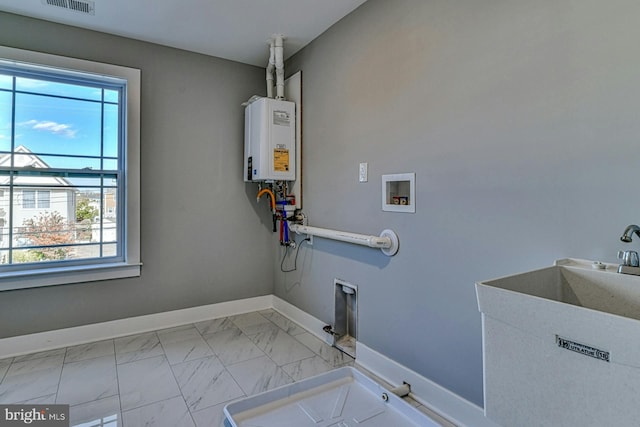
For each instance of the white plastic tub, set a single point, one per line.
(340, 398)
(561, 346)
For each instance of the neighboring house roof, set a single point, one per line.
(26, 159)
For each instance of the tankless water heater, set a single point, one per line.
(270, 140)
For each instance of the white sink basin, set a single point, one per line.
(561, 346)
(577, 283)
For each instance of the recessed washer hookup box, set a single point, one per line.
(340, 398)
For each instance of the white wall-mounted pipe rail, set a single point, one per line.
(387, 241)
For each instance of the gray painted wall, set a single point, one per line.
(200, 223)
(521, 121)
(519, 118)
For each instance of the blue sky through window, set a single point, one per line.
(47, 121)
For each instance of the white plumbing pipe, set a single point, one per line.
(269, 81)
(387, 241)
(270, 67)
(279, 52)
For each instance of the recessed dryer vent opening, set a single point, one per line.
(345, 318)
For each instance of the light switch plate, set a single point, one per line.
(363, 172)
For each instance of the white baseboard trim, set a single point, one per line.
(435, 397)
(449, 405)
(42, 341)
(302, 318)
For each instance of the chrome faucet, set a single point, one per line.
(628, 233)
(630, 260)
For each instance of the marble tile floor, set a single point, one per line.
(182, 376)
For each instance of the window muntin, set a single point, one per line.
(62, 138)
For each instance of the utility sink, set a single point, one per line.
(579, 283)
(561, 346)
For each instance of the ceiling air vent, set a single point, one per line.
(82, 6)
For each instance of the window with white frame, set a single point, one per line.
(43, 199)
(32, 199)
(28, 199)
(69, 170)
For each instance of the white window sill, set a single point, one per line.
(66, 275)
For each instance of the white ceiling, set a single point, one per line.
(233, 29)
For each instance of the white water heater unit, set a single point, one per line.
(270, 140)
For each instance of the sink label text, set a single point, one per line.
(582, 349)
